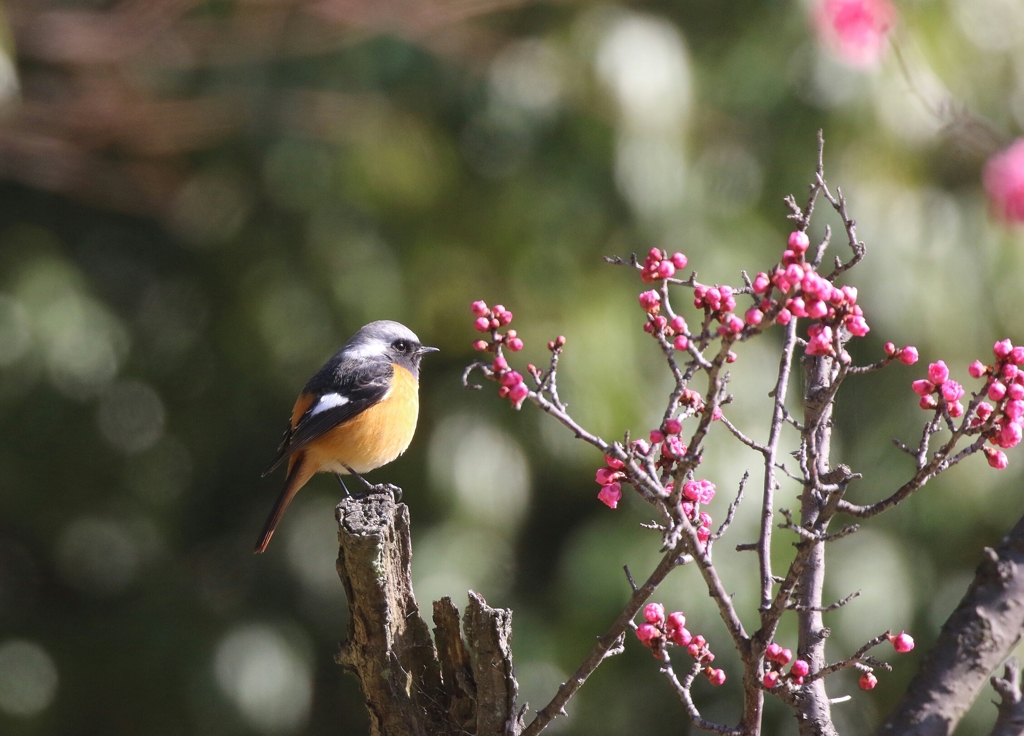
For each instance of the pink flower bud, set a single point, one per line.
(761, 283)
(666, 270)
(716, 677)
(797, 307)
(800, 668)
(504, 316)
(1008, 372)
(650, 301)
(647, 633)
(996, 458)
(500, 364)
(700, 641)
(867, 681)
(938, 373)
(753, 316)
(773, 652)
(857, 326)
(1004, 182)
(676, 621)
(1002, 349)
(679, 260)
(605, 476)
(908, 355)
(1010, 435)
(928, 402)
(693, 649)
(479, 308)
(515, 344)
(785, 656)
(656, 436)
(1014, 409)
(889, 349)
(902, 642)
(771, 679)
(996, 391)
(703, 534)
(642, 447)
(654, 613)
(680, 637)
(1017, 355)
(783, 317)
(517, 394)
(922, 387)
(956, 409)
(678, 324)
(984, 411)
(976, 369)
(673, 426)
(503, 392)
(610, 495)
(951, 391)
(733, 324)
(511, 378)
(482, 324)
(614, 463)
(681, 342)
(1015, 391)
(480, 345)
(798, 241)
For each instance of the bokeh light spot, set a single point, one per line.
(28, 678)
(98, 556)
(131, 416)
(264, 675)
(15, 330)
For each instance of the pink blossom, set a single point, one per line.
(681, 342)
(517, 394)
(761, 283)
(753, 316)
(996, 391)
(703, 534)
(480, 345)
(938, 373)
(821, 344)
(650, 301)
(515, 344)
(772, 652)
(504, 316)
(605, 476)
(928, 402)
(647, 633)
(996, 458)
(817, 309)
(732, 325)
(1002, 349)
(956, 409)
(673, 426)
(678, 324)
(902, 642)
(1010, 435)
(984, 411)
(482, 324)
(797, 307)
(610, 495)
(798, 241)
(679, 260)
(1008, 372)
(784, 317)
(642, 447)
(680, 637)
(857, 326)
(614, 463)
(656, 436)
(889, 349)
(1004, 182)
(676, 620)
(511, 378)
(856, 29)
(479, 308)
(771, 679)
(654, 613)
(1014, 409)
(800, 668)
(500, 364)
(673, 448)
(716, 677)
(908, 355)
(867, 681)
(1017, 355)
(951, 391)
(976, 369)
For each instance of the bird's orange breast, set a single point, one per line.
(375, 436)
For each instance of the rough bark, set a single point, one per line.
(464, 684)
(979, 634)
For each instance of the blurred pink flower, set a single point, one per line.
(856, 29)
(1004, 182)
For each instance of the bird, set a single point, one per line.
(357, 413)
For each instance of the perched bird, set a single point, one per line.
(357, 413)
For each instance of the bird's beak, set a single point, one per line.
(424, 350)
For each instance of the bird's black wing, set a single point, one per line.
(362, 388)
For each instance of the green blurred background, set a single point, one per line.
(201, 201)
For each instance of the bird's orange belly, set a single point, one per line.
(376, 436)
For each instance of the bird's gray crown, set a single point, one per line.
(372, 340)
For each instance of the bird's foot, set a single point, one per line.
(369, 488)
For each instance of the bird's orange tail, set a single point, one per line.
(299, 471)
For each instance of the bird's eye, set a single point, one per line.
(401, 346)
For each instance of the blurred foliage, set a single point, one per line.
(197, 212)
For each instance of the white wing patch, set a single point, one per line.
(328, 401)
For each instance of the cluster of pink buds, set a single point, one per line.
(609, 478)
(718, 302)
(491, 320)
(674, 329)
(1005, 389)
(701, 520)
(778, 658)
(659, 630)
(660, 265)
(513, 386)
(939, 386)
(907, 355)
(807, 295)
